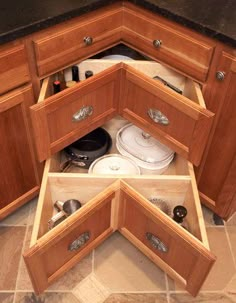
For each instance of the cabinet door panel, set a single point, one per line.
(60, 249)
(19, 179)
(179, 254)
(217, 182)
(189, 123)
(53, 120)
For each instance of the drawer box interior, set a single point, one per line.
(120, 88)
(109, 199)
(176, 185)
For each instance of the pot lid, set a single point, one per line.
(114, 164)
(141, 145)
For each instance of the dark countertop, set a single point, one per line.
(212, 18)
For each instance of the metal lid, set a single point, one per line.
(142, 146)
(114, 164)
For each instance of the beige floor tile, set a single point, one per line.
(208, 216)
(136, 298)
(33, 206)
(122, 267)
(19, 217)
(231, 286)
(27, 297)
(223, 270)
(201, 298)
(90, 290)
(231, 229)
(11, 242)
(23, 280)
(6, 297)
(74, 276)
(231, 221)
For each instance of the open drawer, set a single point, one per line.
(180, 121)
(119, 202)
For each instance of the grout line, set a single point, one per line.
(230, 246)
(21, 260)
(138, 291)
(167, 289)
(93, 260)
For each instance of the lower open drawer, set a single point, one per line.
(116, 202)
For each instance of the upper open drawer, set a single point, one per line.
(136, 96)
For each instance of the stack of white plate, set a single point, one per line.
(114, 164)
(147, 152)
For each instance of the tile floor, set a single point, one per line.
(115, 272)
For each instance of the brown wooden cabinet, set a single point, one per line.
(19, 179)
(217, 178)
(57, 122)
(92, 190)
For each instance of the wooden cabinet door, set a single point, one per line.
(184, 125)
(19, 179)
(62, 247)
(217, 182)
(168, 245)
(65, 117)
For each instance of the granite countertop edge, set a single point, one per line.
(43, 23)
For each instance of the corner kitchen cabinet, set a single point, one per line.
(122, 94)
(19, 174)
(114, 202)
(218, 189)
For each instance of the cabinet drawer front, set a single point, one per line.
(188, 123)
(14, 68)
(66, 46)
(177, 49)
(70, 114)
(59, 250)
(179, 254)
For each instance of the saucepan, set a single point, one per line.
(88, 148)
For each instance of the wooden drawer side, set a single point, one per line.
(186, 260)
(51, 252)
(189, 123)
(53, 123)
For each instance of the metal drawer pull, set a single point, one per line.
(88, 40)
(157, 116)
(83, 113)
(220, 76)
(157, 43)
(156, 243)
(79, 242)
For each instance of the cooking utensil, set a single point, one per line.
(88, 148)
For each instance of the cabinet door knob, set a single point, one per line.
(156, 242)
(83, 113)
(157, 43)
(88, 40)
(220, 75)
(79, 242)
(157, 116)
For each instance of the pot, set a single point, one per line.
(88, 148)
